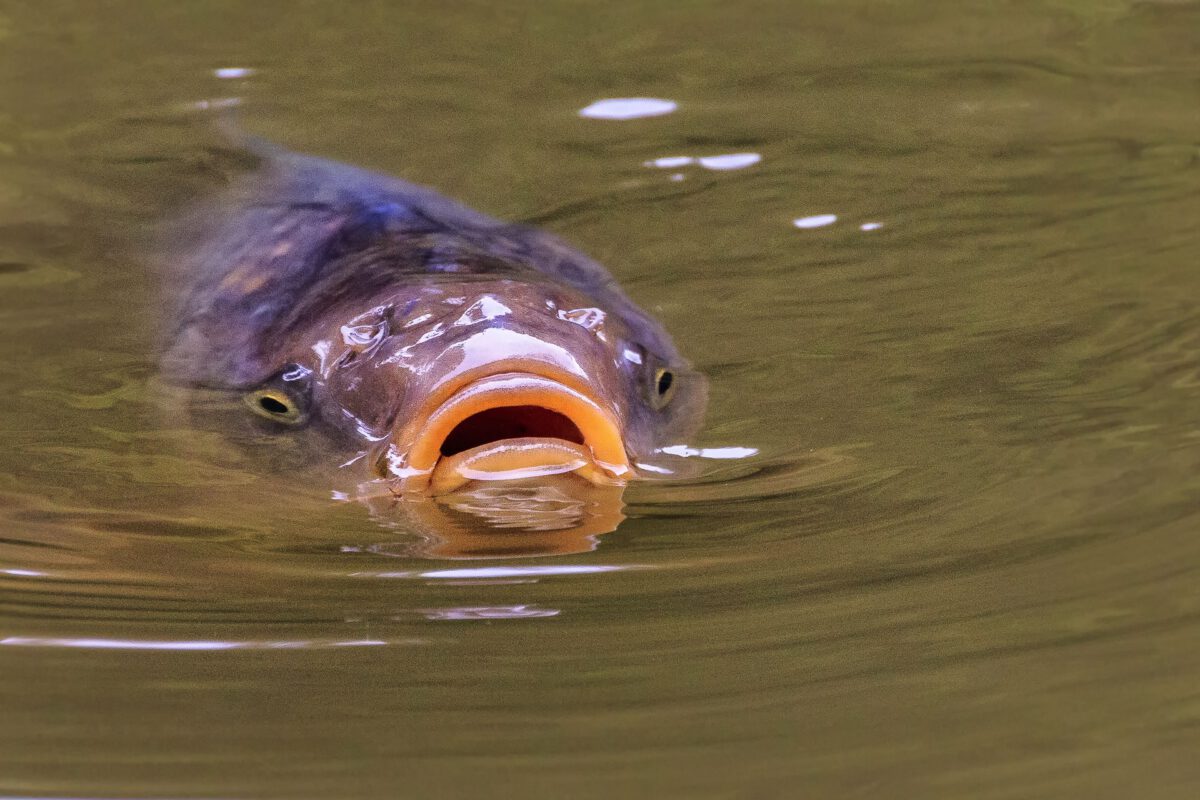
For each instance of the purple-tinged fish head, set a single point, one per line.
(448, 382)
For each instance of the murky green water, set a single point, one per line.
(965, 562)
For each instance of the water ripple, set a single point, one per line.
(192, 645)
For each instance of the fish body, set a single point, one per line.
(445, 344)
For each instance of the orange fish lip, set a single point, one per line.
(600, 457)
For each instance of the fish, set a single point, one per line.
(434, 347)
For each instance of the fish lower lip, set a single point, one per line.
(513, 426)
(515, 459)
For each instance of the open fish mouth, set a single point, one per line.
(514, 426)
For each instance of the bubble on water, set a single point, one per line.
(628, 108)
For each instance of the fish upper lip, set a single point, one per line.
(424, 436)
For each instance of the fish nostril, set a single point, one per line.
(510, 422)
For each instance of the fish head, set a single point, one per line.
(498, 379)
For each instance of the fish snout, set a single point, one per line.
(510, 426)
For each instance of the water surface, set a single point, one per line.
(940, 265)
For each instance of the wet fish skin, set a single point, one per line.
(367, 285)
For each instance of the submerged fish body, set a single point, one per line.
(443, 344)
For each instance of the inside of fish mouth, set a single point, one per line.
(510, 422)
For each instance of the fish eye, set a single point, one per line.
(664, 386)
(275, 405)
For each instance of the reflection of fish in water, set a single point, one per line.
(549, 515)
(446, 346)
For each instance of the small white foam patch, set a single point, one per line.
(621, 108)
(730, 161)
(816, 221)
(23, 573)
(870, 226)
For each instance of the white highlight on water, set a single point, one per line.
(183, 644)
(217, 103)
(228, 73)
(520, 572)
(491, 612)
(623, 108)
(709, 452)
(817, 221)
(725, 161)
(669, 162)
(730, 161)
